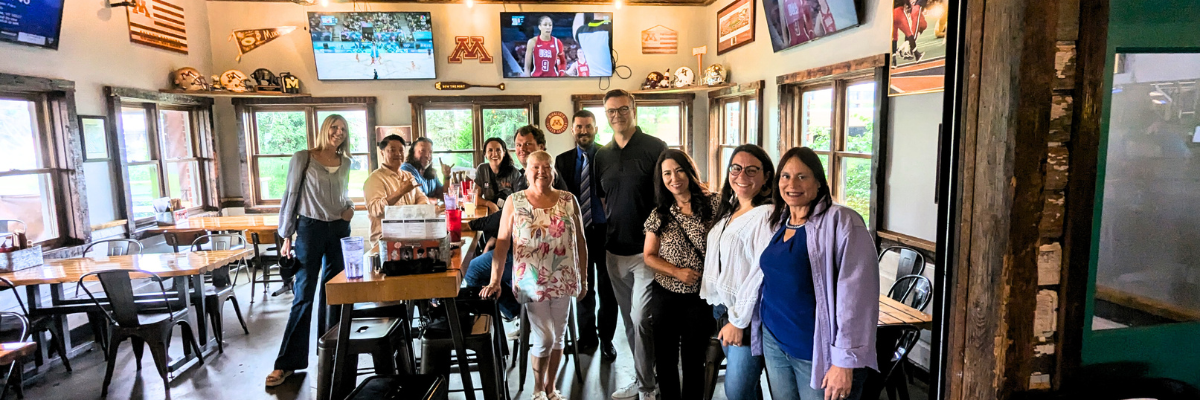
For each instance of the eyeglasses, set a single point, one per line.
(614, 111)
(751, 171)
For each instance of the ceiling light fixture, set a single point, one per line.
(470, 3)
(617, 3)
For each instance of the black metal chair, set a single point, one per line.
(14, 375)
(265, 260)
(911, 261)
(221, 289)
(913, 290)
(223, 241)
(182, 238)
(125, 322)
(116, 247)
(895, 344)
(41, 323)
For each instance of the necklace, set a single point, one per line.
(789, 225)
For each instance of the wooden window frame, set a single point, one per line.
(684, 101)
(245, 109)
(718, 136)
(476, 104)
(840, 77)
(59, 140)
(203, 146)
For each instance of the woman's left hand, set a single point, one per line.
(348, 213)
(583, 289)
(838, 382)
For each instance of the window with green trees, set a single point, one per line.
(664, 116)
(836, 120)
(459, 126)
(278, 132)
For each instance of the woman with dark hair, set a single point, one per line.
(732, 275)
(497, 178)
(675, 243)
(819, 304)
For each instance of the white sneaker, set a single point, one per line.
(555, 395)
(515, 333)
(538, 396)
(628, 392)
(647, 395)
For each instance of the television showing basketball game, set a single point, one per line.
(795, 22)
(34, 23)
(556, 44)
(372, 45)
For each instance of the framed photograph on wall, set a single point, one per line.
(94, 131)
(735, 25)
(918, 60)
(405, 131)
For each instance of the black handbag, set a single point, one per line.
(288, 266)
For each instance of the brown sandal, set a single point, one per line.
(273, 381)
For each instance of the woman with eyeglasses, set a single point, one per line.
(732, 275)
(819, 304)
(676, 235)
(497, 178)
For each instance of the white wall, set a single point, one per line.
(912, 165)
(95, 51)
(293, 53)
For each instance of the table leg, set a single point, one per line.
(201, 312)
(33, 293)
(460, 349)
(341, 352)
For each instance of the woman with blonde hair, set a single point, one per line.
(316, 208)
(545, 229)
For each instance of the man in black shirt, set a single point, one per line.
(626, 170)
(578, 168)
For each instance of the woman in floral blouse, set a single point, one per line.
(544, 228)
(676, 239)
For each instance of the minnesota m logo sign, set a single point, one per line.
(469, 47)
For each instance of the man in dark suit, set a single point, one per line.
(577, 168)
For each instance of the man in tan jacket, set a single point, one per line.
(389, 185)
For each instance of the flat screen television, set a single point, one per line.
(795, 22)
(372, 45)
(556, 44)
(35, 23)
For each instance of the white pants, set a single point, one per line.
(632, 282)
(547, 325)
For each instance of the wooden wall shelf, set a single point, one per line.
(689, 89)
(209, 93)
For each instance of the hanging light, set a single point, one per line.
(470, 3)
(617, 3)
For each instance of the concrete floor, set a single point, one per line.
(240, 371)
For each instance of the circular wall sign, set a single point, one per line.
(556, 122)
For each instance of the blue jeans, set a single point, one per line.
(319, 250)
(742, 369)
(791, 378)
(479, 273)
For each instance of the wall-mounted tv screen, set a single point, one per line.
(372, 45)
(35, 23)
(794, 22)
(556, 44)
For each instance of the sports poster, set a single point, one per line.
(918, 60)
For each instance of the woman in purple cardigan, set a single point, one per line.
(818, 306)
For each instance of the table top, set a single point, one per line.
(472, 214)
(238, 223)
(892, 312)
(10, 352)
(375, 287)
(163, 264)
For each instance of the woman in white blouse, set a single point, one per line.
(732, 276)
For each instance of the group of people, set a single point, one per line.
(785, 278)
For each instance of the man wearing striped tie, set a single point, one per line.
(578, 168)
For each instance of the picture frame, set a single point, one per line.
(917, 63)
(93, 132)
(735, 25)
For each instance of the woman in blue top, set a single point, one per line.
(818, 308)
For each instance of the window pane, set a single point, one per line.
(272, 177)
(17, 125)
(860, 117)
(144, 187)
(733, 123)
(360, 139)
(752, 122)
(176, 129)
(457, 159)
(816, 118)
(360, 167)
(855, 185)
(503, 123)
(183, 182)
(661, 122)
(137, 144)
(281, 132)
(604, 132)
(726, 154)
(450, 130)
(30, 199)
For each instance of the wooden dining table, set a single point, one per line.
(237, 223)
(375, 287)
(179, 267)
(892, 312)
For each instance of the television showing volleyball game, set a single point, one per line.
(795, 22)
(556, 44)
(372, 45)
